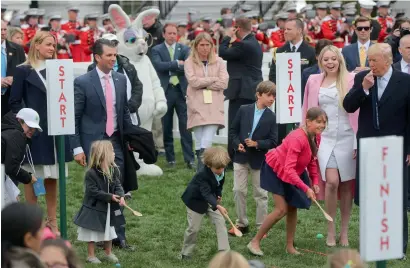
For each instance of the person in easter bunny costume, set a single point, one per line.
(131, 37)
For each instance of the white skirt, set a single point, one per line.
(87, 235)
(47, 171)
(9, 191)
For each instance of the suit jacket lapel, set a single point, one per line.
(357, 54)
(118, 96)
(260, 121)
(388, 91)
(34, 79)
(252, 114)
(177, 52)
(96, 81)
(11, 53)
(165, 53)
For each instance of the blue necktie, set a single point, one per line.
(3, 67)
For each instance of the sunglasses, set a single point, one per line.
(363, 28)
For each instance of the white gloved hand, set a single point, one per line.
(160, 109)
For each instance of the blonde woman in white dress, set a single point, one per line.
(337, 150)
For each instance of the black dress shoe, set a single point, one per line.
(185, 257)
(123, 245)
(191, 165)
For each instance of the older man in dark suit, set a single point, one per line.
(11, 56)
(244, 67)
(386, 91)
(294, 43)
(168, 60)
(101, 110)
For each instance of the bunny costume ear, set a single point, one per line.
(137, 23)
(119, 19)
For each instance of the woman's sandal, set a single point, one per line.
(53, 226)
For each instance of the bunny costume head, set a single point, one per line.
(131, 36)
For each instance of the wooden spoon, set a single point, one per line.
(327, 216)
(136, 213)
(238, 233)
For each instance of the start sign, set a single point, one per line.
(60, 97)
(288, 88)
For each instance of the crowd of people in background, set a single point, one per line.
(350, 64)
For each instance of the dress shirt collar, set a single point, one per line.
(3, 44)
(404, 64)
(366, 45)
(297, 45)
(173, 45)
(259, 110)
(101, 74)
(386, 77)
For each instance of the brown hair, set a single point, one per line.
(170, 24)
(244, 23)
(194, 49)
(362, 19)
(346, 258)
(68, 252)
(266, 87)
(216, 157)
(311, 115)
(321, 44)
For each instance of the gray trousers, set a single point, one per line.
(240, 190)
(194, 224)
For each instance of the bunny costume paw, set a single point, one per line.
(160, 109)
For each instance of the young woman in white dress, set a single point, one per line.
(337, 150)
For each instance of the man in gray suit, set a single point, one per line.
(168, 59)
(101, 110)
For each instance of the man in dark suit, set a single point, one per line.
(366, 9)
(168, 60)
(11, 56)
(294, 43)
(355, 55)
(387, 90)
(404, 66)
(101, 110)
(244, 67)
(314, 69)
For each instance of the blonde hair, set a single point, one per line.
(11, 31)
(216, 157)
(99, 155)
(33, 56)
(383, 49)
(228, 259)
(346, 258)
(194, 49)
(342, 73)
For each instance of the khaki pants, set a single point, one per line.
(240, 190)
(194, 224)
(158, 134)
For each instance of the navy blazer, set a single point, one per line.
(166, 67)
(202, 191)
(244, 66)
(90, 109)
(29, 91)
(265, 134)
(352, 58)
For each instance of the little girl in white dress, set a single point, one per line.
(103, 192)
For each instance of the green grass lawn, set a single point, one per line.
(158, 235)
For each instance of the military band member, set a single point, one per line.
(366, 8)
(278, 33)
(30, 28)
(54, 26)
(72, 29)
(182, 37)
(314, 25)
(107, 24)
(333, 27)
(89, 35)
(386, 22)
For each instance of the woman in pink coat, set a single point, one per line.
(337, 151)
(207, 78)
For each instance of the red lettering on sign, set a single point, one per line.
(62, 97)
(385, 227)
(384, 242)
(61, 83)
(290, 75)
(62, 109)
(61, 69)
(290, 64)
(290, 88)
(384, 189)
(62, 100)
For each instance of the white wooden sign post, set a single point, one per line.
(288, 88)
(381, 199)
(60, 113)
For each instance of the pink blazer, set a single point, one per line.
(311, 97)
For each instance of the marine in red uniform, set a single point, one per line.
(349, 13)
(88, 36)
(72, 29)
(277, 35)
(333, 27)
(314, 25)
(386, 22)
(30, 28)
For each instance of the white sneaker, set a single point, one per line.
(94, 260)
